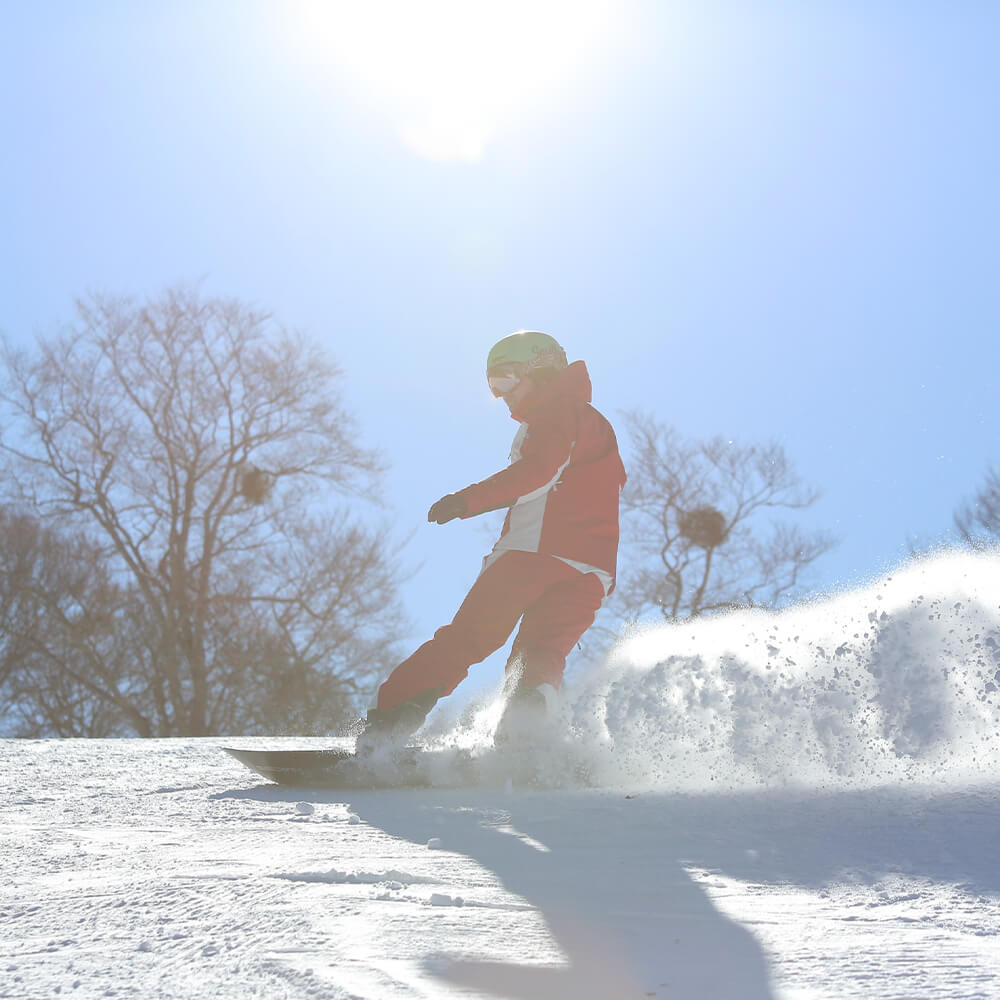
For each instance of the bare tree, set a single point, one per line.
(978, 521)
(57, 627)
(199, 446)
(695, 529)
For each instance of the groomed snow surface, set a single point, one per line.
(795, 805)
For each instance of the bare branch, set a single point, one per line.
(753, 559)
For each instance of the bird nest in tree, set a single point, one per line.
(254, 484)
(703, 526)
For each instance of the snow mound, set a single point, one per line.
(894, 681)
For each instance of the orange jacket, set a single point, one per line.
(563, 481)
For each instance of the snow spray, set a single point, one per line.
(895, 681)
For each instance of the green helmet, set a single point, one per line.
(527, 350)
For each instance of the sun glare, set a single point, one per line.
(450, 74)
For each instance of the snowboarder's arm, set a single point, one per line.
(544, 451)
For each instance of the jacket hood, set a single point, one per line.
(572, 382)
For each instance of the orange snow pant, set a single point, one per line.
(555, 603)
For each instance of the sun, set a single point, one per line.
(449, 74)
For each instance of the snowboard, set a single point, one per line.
(412, 766)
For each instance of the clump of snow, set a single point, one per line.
(335, 877)
(443, 899)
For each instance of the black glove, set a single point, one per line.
(447, 508)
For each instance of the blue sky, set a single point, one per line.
(766, 220)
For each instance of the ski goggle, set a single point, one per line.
(501, 382)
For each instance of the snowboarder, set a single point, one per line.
(553, 564)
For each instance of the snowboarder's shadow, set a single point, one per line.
(617, 901)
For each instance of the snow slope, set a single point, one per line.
(789, 806)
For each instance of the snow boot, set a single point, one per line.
(394, 726)
(524, 716)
